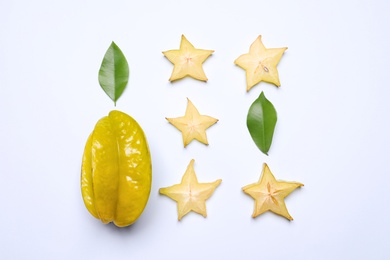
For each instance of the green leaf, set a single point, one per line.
(261, 121)
(114, 72)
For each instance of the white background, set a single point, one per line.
(332, 132)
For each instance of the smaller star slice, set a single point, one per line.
(187, 61)
(260, 64)
(189, 194)
(193, 125)
(269, 194)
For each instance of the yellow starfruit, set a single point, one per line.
(116, 170)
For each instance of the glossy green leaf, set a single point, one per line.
(261, 121)
(114, 72)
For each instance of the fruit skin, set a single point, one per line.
(116, 172)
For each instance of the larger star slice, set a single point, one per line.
(260, 64)
(193, 125)
(190, 195)
(269, 194)
(187, 61)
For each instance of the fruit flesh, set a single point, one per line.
(116, 170)
(187, 61)
(260, 64)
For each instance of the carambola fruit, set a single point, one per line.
(116, 171)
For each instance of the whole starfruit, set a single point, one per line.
(116, 170)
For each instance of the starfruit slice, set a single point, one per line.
(116, 170)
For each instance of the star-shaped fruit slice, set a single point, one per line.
(269, 194)
(193, 125)
(187, 61)
(190, 195)
(260, 64)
